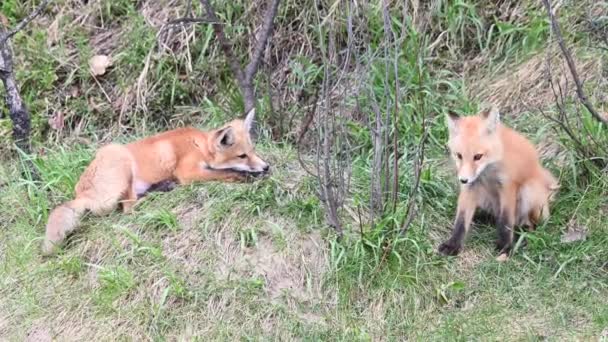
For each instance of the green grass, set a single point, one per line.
(256, 261)
(248, 261)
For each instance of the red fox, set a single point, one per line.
(122, 173)
(500, 173)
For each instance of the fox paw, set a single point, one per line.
(504, 247)
(449, 248)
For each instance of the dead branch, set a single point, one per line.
(187, 20)
(306, 123)
(566, 53)
(17, 109)
(244, 76)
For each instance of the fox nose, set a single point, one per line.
(266, 168)
(464, 180)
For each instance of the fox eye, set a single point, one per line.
(243, 156)
(459, 156)
(477, 156)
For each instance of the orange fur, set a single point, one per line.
(500, 173)
(121, 173)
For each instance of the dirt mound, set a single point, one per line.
(294, 270)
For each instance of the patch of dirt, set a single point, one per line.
(525, 87)
(4, 325)
(286, 273)
(294, 270)
(470, 257)
(184, 248)
(189, 217)
(289, 261)
(39, 334)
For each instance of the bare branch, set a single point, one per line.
(265, 34)
(17, 109)
(7, 35)
(308, 119)
(235, 66)
(579, 87)
(188, 20)
(244, 77)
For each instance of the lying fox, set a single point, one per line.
(123, 173)
(500, 173)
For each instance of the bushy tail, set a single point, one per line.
(551, 186)
(62, 220)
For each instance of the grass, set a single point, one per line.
(255, 261)
(249, 261)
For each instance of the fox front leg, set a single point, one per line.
(192, 170)
(505, 224)
(464, 216)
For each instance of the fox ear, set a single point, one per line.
(492, 118)
(225, 137)
(249, 119)
(452, 119)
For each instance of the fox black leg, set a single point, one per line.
(454, 244)
(162, 186)
(505, 227)
(485, 217)
(505, 223)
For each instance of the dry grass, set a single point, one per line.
(526, 88)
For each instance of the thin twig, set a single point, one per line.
(308, 119)
(23, 22)
(417, 173)
(188, 20)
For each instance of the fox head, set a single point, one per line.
(233, 149)
(474, 143)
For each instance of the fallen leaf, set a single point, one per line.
(56, 121)
(575, 232)
(52, 33)
(39, 334)
(4, 21)
(93, 105)
(74, 91)
(99, 64)
(572, 236)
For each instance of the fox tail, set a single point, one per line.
(62, 220)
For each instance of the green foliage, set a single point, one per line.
(114, 283)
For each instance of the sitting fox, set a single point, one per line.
(500, 173)
(122, 173)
